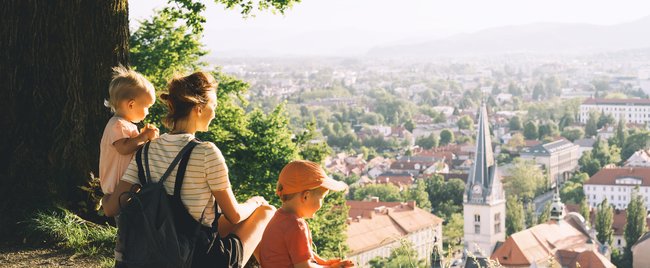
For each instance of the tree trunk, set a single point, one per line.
(54, 70)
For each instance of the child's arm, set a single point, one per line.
(332, 262)
(130, 145)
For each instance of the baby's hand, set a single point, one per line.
(151, 131)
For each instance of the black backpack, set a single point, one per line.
(149, 223)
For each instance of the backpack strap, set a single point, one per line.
(146, 162)
(172, 165)
(180, 174)
(138, 160)
(144, 173)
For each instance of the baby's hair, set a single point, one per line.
(185, 92)
(125, 85)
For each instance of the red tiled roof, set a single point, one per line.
(531, 143)
(619, 219)
(617, 101)
(541, 241)
(376, 223)
(398, 180)
(608, 176)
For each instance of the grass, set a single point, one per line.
(71, 232)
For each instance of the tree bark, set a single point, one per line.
(56, 59)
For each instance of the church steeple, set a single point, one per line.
(483, 173)
(484, 206)
(557, 207)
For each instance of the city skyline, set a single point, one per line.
(336, 28)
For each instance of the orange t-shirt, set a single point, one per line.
(286, 241)
(112, 164)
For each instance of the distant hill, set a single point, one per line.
(556, 38)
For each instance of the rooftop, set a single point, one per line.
(563, 241)
(373, 223)
(617, 101)
(548, 148)
(609, 176)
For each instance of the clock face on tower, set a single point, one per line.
(477, 189)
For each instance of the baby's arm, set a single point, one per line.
(130, 145)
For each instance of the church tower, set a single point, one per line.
(484, 204)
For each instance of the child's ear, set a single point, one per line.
(131, 103)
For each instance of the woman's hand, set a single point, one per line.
(257, 200)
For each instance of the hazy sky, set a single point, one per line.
(349, 27)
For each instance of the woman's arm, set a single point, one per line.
(233, 211)
(111, 202)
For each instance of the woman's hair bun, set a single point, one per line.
(164, 96)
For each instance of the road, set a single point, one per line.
(541, 200)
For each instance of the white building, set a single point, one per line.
(559, 158)
(640, 158)
(617, 185)
(631, 110)
(375, 228)
(484, 204)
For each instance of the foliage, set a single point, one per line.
(530, 215)
(310, 144)
(402, 256)
(585, 210)
(573, 134)
(548, 129)
(635, 226)
(515, 123)
(546, 213)
(386, 192)
(572, 191)
(465, 122)
(446, 196)
(604, 120)
(427, 142)
(621, 134)
(409, 125)
(446, 137)
(605, 153)
(72, 232)
(515, 215)
(418, 193)
(530, 131)
(635, 142)
(516, 142)
(328, 227)
(161, 47)
(526, 179)
(591, 129)
(453, 231)
(588, 164)
(604, 221)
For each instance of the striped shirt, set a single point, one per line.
(206, 172)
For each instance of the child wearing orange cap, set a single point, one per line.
(286, 242)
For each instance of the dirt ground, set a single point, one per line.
(21, 256)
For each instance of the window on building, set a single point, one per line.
(477, 228)
(477, 218)
(497, 223)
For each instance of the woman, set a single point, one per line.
(192, 101)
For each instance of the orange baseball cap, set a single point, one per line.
(301, 175)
